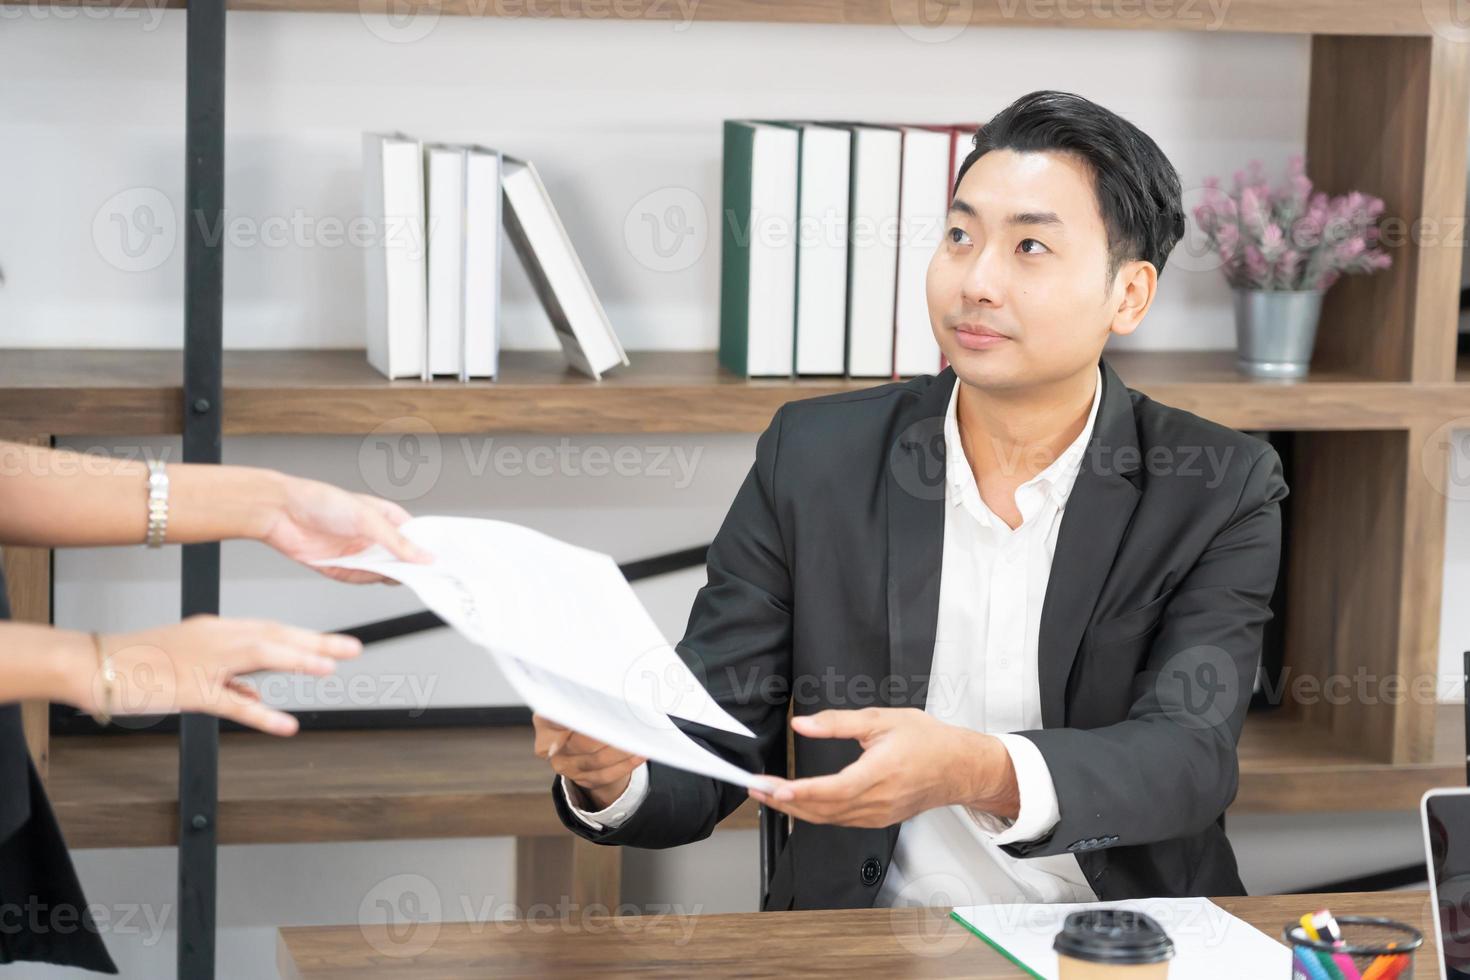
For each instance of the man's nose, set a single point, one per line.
(983, 281)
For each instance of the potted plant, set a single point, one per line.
(1280, 249)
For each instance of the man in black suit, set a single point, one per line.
(1015, 608)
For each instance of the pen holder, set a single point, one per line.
(1372, 949)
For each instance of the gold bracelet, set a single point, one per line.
(103, 714)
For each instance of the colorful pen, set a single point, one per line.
(1308, 966)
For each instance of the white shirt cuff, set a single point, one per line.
(616, 812)
(1039, 811)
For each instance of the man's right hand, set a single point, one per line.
(599, 770)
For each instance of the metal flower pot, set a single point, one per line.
(1275, 330)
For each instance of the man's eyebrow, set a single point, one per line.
(1018, 218)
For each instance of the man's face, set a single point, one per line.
(1024, 254)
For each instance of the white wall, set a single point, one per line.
(612, 112)
(624, 121)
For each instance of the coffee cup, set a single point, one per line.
(1112, 944)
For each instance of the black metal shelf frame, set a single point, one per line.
(204, 193)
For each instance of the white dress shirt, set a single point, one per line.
(983, 677)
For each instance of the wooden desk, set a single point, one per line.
(867, 942)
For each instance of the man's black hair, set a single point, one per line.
(1137, 187)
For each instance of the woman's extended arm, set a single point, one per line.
(59, 498)
(195, 665)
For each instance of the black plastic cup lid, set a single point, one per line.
(1117, 936)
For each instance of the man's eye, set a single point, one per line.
(1033, 242)
(962, 236)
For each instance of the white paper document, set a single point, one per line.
(566, 629)
(1209, 943)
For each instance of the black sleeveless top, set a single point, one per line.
(43, 914)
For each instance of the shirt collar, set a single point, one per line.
(1056, 480)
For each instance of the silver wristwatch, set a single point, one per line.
(157, 503)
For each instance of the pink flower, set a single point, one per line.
(1272, 240)
(1291, 236)
(1256, 267)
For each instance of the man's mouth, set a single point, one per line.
(973, 336)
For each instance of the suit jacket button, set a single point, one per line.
(872, 869)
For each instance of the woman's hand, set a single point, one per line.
(308, 520)
(199, 665)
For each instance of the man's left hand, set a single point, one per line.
(911, 762)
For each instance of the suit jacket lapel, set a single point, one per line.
(914, 488)
(1098, 511)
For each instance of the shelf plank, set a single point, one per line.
(1289, 766)
(1387, 17)
(121, 791)
(327, 392)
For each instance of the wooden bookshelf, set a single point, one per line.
(122, 790)
(336, 392)
(1368, 517)
(1384, 17)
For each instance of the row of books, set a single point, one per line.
(433, 266)
(827, 229)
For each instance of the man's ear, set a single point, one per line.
(1137, 283)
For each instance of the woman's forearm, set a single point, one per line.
(45, 664)
(60, 498)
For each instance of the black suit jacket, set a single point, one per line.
(823, 592)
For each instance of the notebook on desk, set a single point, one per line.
(1209, 943)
